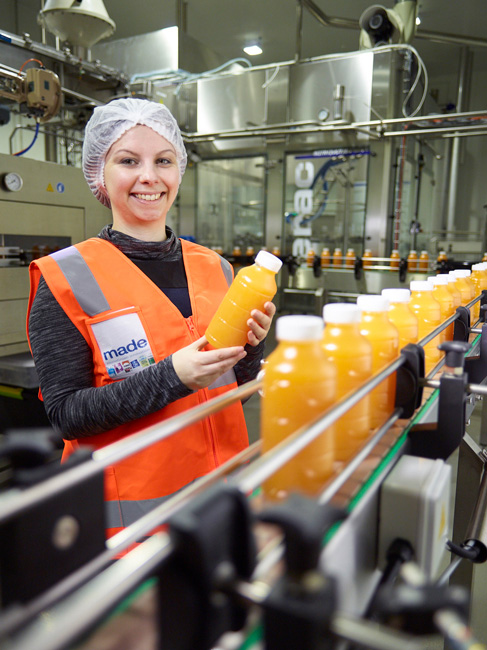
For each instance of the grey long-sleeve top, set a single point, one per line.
(64, 362)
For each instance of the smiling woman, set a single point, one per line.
(131, 307)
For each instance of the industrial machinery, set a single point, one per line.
(233, 571)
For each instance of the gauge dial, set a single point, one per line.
(12, 182)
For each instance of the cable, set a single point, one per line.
(21, 153)
(28, 61)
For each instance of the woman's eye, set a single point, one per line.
(164, 161)
(127, 161)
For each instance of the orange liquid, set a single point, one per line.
(325, 258)
(395, 260)
(310, 258)
(442, 257)
(405, 321)
(365, 257)
(475, 310)
(465, 289)
(447, 307)
(423, 262)
(299, 385)
(456, 295)
(412, 261)
(428, 311)
(384, 337)
(337, 257)
(479, 278)
(351, 354)
(253, 286)
(350, 259)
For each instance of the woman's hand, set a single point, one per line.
(260, 323)
(198, 368)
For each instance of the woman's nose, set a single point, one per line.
(148, 174)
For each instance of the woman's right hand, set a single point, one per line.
(198, 368)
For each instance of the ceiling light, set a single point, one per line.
(252, 49)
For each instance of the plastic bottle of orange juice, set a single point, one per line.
(401, 316)
(366, 257)
(276, 250)
(428, 311)
(384, 337)
(395, 259)
(442, 257)
(325, 258)
(466, 288)
(479, 278)
(412, 261)
(447, 304)
(484, 257)
(310, 257)
(337, 257)
(452, 288)
(475, 310)
(350, 258)
(351, 354)
(252, 287)
(299, 385)
(423, 261)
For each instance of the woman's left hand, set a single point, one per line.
(260, 323)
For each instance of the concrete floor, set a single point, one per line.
(479, 591)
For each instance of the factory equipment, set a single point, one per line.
(38, 89)
(380, 26)
(306, 574)
(81, 23)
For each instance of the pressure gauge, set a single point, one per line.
(12, 181)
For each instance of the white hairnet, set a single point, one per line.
(109, 122)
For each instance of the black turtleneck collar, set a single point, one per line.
(168, 249)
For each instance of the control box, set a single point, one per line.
(415, 506)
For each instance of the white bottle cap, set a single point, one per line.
(341, 313)
(397, 295)
(451, 278)
(431, 278)
(299, 328)
(268, 261)
(368, 250)
(372, 303)
(420, 285)
(460, 273)
(440, 279)
(350, 250)
(413, 251)
(424, 252)
(395, 250)
(478, 267)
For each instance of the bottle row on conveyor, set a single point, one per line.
(345, 563)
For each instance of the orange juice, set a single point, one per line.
(325, 258)
(466, 288)
(253, 286)
(236, 251)
(276, 250)
(484, 257)
(475, 310)
(337, 257)
(423, 261)
(384, 337)
(310, 257)
(351, 354)
(442, 257)
(401, 316)
(250, 251)
(452, 288)
(395, 259)
(365, 258)
(447, 304)
(428, 311)
(299, 385)
(350, 258)
(412, 261)
(479, 278)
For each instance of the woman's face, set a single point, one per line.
(142, 181)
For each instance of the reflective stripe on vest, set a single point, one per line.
(80, 278)
(227, 270)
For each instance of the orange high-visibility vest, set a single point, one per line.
(129, 324)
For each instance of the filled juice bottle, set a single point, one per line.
(350, 258)
(447, 304)
(249, 251)
(452, 288)
(337, 257)
(479, 278)
(442, 257)
(384, 337)
(367, 264)
(395, 259)
(428, 312)
(484, 257)
(299, 385)
(310, 257)
(325, 258)
(423, 261)
(412, 261)
(351, 354)
(466, 288)
(401, 316)
(252, 287)
(276, 250)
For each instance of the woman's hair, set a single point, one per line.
(109, 122)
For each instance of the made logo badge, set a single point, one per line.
(123, 345)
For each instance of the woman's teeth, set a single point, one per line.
(148, 197)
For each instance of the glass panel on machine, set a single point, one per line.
(230, 200)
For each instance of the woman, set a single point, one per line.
(116, 323)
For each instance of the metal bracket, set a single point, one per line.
(409, 391)
(213, 544)
(461, 327)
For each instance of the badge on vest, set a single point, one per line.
(123, 344)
